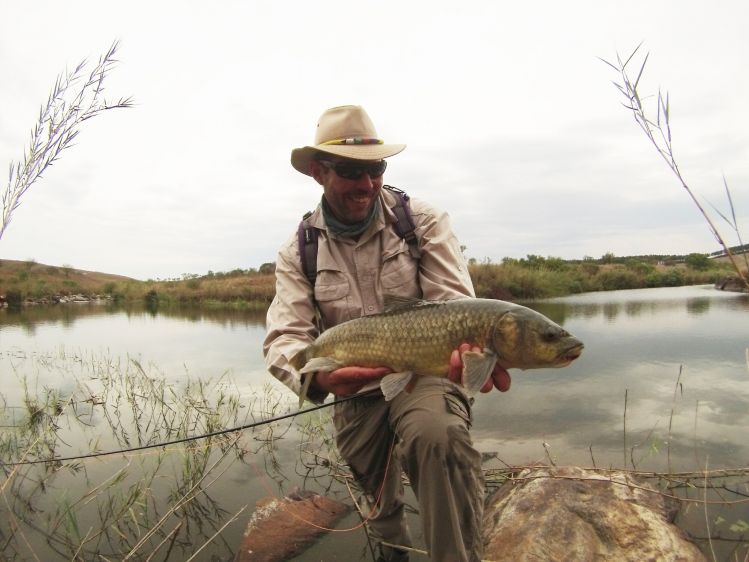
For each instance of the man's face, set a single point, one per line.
(349, 197)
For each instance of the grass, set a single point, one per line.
(137, 505)
(658, 132)
(76, 97)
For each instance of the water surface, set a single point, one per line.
(662, 385)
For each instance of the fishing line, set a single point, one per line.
(191, 438)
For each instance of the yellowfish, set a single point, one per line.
(416, 337)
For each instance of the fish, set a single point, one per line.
(415, 337)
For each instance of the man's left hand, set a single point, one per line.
(499, 379)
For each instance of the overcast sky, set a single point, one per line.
(512, 124)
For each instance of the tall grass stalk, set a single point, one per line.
(707, 514)
(77, 96)
(658, 132)
(678, 386)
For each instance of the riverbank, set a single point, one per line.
(29, 282)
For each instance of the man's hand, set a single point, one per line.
(499, 378)
(348, 380)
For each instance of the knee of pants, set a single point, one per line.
(443, 433)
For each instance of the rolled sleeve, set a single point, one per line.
(443, 272)
(290, 321)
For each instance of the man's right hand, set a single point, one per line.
(347, 380)
(499, 379)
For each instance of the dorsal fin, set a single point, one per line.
(393, 302)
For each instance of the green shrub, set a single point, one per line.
(668, 278)
(673, 278)
(640, 267)
(589, 268)
(617, 279)
(40, 290)
(14, 298)
(699, 262)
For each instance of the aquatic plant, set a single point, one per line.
(136, 504)
(77, 96)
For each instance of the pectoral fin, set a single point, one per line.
(320, 364)
(394, 383)
(310, 368)
(477, 368)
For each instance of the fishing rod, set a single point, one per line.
(191, 438)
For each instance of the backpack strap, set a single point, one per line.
(405, 228)
(307, 237)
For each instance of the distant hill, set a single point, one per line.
(32, 282)
(32, 278)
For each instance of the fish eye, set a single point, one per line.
(552, 333)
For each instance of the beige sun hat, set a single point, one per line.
(345, 131)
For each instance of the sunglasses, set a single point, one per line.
(353, 170)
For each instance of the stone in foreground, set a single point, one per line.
(281, 528)
(568, 513)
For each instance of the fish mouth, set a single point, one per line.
(572, 353)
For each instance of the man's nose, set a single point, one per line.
(365, 182)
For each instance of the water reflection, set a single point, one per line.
(30, 317)
(679, 357)
(610, 305)
(179, 342)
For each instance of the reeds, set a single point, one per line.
(658, 132)
(77, 96)
(150, 503)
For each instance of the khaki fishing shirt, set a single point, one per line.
(354, 275)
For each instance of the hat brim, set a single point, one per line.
(302, 157)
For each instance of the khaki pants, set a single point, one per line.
(429, 427)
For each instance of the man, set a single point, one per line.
(361, 258)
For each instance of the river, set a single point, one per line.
(663, 385)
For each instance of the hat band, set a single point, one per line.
(354, 140)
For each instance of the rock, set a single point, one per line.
(568, 513)
(281, 528)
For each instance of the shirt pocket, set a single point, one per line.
(333, 293)
(400, 274)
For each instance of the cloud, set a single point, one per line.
(512, 124)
